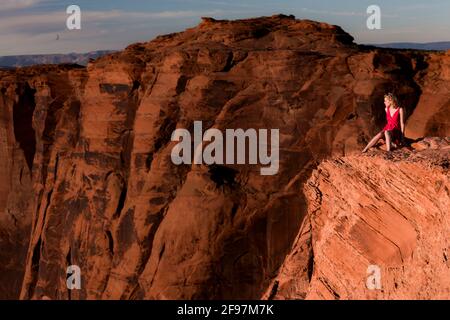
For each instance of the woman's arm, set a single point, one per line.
(402, 125)
(402, 121)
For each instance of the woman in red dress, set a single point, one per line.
(394, 130)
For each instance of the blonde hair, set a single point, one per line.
(390, 96)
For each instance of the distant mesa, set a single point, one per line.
(35, 59)
(434, 46)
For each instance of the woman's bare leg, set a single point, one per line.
(388, 140)
(373, 141)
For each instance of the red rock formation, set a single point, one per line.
(372, 210)
(38, 113)
(87, 156)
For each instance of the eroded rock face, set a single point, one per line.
(366, 211)
(38, 112)
(90, 180)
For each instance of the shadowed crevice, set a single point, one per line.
(23, 122)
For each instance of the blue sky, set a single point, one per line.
(32, 26)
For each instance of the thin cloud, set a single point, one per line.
(345, 13)
(172, 14)
(8, 5)
(35, 23)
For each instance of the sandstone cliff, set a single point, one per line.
(88, 181)
(389, 212)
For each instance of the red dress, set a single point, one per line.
(393, 125)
